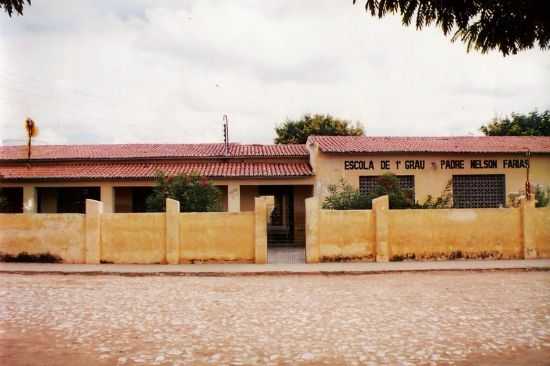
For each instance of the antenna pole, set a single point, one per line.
(226, 134)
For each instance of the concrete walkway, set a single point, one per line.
(273, 269)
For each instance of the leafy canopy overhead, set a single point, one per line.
(10, 6)
(508, 26)
(532, 124)
(297, 132)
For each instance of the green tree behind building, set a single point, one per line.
(297, 132)
(531, 124)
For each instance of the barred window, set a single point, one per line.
(479, 191)
(367, 183)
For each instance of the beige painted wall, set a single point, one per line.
(58, 234)
(346, 235)
(300, 195)
(217, 236)
(430, 234)
(133, 237)
(541, 219)
(501, 233)
(329, 169)
(248, 193)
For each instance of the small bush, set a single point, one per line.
(25, 257)
(542, 196)
(402, 257)
(443, 201)
(195, 194)
(343, 196)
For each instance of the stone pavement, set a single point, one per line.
(286, 255)
(278, 269)
(449, 318)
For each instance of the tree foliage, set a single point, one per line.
(297, 132)
(10, 6)
(508, 26)
(532, 124)
(195, 194)
(343, 196)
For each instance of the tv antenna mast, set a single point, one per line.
(226, 134)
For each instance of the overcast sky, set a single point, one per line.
(166, 71)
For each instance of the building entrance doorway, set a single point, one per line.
(280, 230)
(286, 230)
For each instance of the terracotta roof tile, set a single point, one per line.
(132, 151)
(464, 144)
(147, 170)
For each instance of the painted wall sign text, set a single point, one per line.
(443, 164)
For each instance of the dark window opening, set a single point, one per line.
(12, 200)
(65, 199)
(479, 191)
(132, 199)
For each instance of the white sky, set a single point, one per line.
(166, 71)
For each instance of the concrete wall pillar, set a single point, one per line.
(233, 197)
(528, 228)
(29, 199)
(380, 208)
(262, 209)
(313, 213)
(107, 197)
(92, 251)
(172, 231)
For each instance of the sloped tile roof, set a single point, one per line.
(147, 170)
(463, 144)
(141, 151)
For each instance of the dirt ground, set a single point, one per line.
(490, 318)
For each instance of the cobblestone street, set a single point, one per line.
(496, 318)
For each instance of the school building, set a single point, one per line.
(481, 171)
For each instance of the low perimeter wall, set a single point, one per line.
(170, 237)
(58, 234)
(382, 234)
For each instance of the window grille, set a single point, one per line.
(479, 191)
(367, 183)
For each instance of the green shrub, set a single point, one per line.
(542, 196)
(195, 194)
(443, 201)
(343, 196)
(25, 257)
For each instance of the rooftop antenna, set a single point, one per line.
(226, 134)
(32, 131)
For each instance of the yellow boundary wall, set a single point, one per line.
(379, 234)
(171, 237)
(382, 234)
